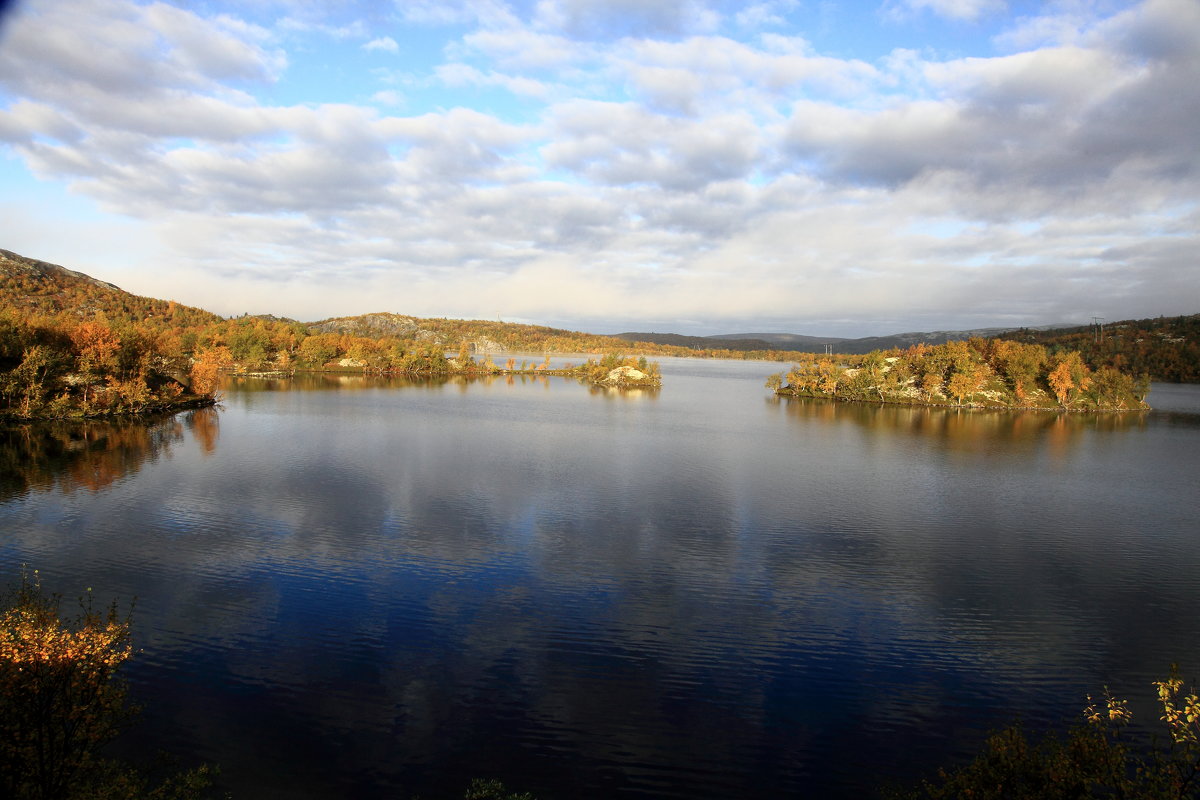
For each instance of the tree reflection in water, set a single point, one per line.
(958, 428)
(71, 455)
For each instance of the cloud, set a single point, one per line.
(523, 49)
(385, 43)
(621, 144)
(1069, 129)
(655, 167)
(760, 15)
(459, 75)
(592, 20)
(124, 49)
(959, 10)
(490, 13)
(722, 70)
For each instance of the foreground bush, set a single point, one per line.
(1093, 761)
(61, 701)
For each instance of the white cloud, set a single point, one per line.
(489, 13)
(761, 15)
(622, 144)
(592, 20)
(962, 10)
(720, 66)
(663, 166)
(519, 48)
(388, 97)
(384, 43)
(458, 75)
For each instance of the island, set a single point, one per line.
(975, 373)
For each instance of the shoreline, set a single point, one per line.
(156, 409)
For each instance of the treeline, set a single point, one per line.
(1166, 348)
(60, 366)
(994, 373)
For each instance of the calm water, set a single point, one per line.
(354, 587)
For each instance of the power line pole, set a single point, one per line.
(1099, 323)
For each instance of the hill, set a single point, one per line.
(700, 342)
(1165, 348)
(39, 288)
(72, 345)
(817, 344)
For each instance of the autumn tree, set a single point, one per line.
(319, 350)
(250, 345)
(207, 367)
(96, 347)
(58, 693)
(1019, 363)
(61, 701)
(1069, 377)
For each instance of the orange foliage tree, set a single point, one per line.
(59, 701)
(207, 367)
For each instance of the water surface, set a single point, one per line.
(370, 588)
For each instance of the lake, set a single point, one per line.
(376, 588)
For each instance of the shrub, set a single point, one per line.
(61, 701)
(1093, 761)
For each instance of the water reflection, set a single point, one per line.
(959, 427)
(92, 455)
(241, 387)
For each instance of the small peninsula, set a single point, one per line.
(976, 373)
(74, 347)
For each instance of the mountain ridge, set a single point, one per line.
(795, 342)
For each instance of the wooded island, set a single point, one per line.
(976, 373)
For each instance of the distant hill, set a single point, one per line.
(38, 287)
(747, 342)
(699, 342)
(903, 340)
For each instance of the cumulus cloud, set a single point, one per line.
(1048, 130)
(621, 144)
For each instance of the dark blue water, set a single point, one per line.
(351, 587)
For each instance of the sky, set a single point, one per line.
(689, 166)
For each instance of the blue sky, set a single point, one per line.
(696, 166)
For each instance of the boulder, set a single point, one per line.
(625, 376)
